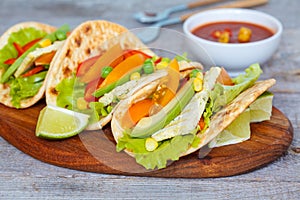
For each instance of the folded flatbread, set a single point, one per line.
(5, 88)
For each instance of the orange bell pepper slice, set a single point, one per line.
(136, 112)
(124, 67)
(45, 59)
(172, 84)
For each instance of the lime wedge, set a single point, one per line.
(59, 123)
(261, 108)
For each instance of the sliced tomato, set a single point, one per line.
(90, 89)
(10, 61)
(224, 78)
(33, 71)
(86, 65)
(19, 49)
(45, 59)
(30, 44)
(201, 123)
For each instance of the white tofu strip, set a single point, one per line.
(188, 119)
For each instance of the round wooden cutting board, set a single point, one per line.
(94, 151)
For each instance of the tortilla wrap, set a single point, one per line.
(5, 98)
(219, 121)
(139, 89)
(89, 39)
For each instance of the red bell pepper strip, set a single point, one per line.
(30, 44)
(10, 61)
(19, 49)
(34, 71)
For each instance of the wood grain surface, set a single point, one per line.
(94, 151)
(24, 177)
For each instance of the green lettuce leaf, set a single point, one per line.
(21, 37)
(169, 150)
(223, 94)
(69, 90)
(23, 88)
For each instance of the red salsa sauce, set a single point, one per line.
(208, 30)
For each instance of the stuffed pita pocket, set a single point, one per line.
(26, 51)
(191, 120)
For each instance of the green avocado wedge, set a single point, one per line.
(149, 125)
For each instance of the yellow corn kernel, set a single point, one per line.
(151, 144)
(224, 37)
(135, 76)
(244, 34)
(199, 75)
(45, 43)
(162, 65)
(81, 103)
(197, 84)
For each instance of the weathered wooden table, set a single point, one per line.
(22, 176)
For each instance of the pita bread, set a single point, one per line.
(89, 39)
(4, 88)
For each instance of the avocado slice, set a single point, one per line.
(149, 125)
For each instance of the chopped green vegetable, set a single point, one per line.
(105, 71)
(148, 66)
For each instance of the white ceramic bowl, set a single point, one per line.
(236, 57)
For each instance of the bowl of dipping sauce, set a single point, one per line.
(235, 38)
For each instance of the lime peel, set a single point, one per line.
(60, 123)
